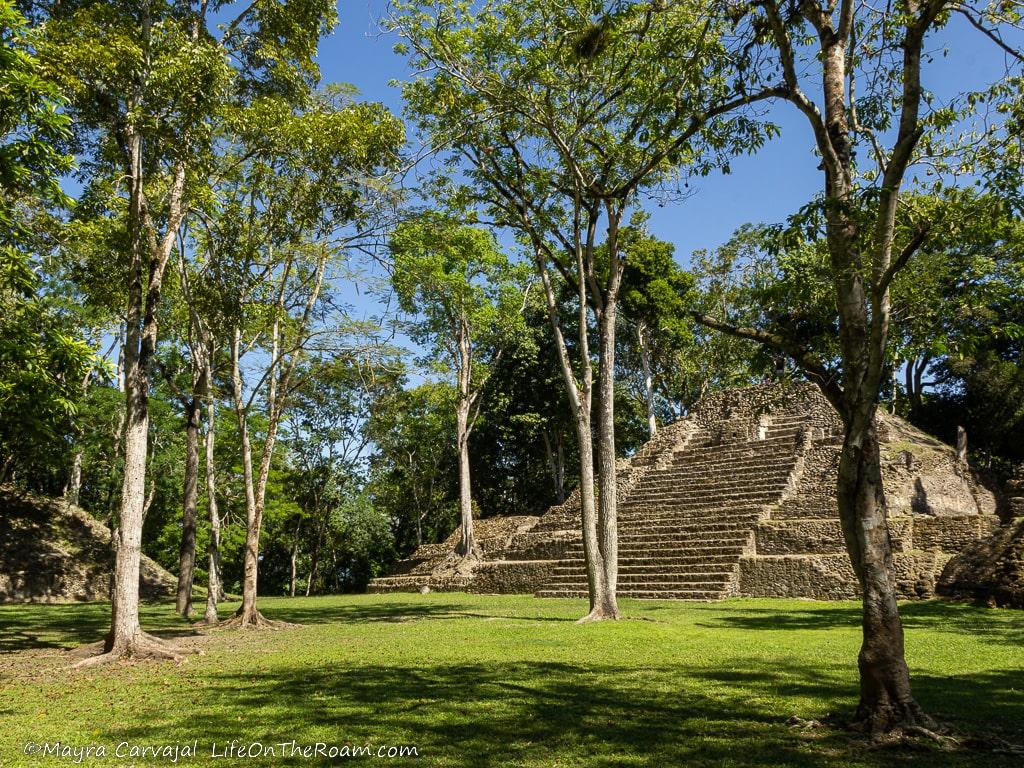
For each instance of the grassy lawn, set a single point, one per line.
(508, 681)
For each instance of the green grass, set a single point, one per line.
(510, 681)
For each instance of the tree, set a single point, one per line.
(656, 294)
(146, 83)
(468, 301)
(42, 360)
(840, 46)
(294, 191)
(327, 438)
(562, 122)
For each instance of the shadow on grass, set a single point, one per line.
(541, 713)
(391, 612)
(37, 626)
(995, 625)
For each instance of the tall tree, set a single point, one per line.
(293, 194)
(147, 82)
(839, 46)
(563, 115)
(467, 303)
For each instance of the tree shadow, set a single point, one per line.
(994, 625)
(394, 612)
(544, 713)
(40, 626)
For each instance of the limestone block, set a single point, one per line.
(510, 576)
(949, 534)
(799, 537)
(824, 577)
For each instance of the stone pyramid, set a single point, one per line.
(736, 499)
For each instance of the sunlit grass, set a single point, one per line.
(510, 680)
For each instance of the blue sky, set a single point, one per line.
(762, 188)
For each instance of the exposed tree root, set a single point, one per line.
(909, 737)
(455, 565)
(253, 620)
(141, 647)
(599, 614)
(894, 720)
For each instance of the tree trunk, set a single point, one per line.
(886, 701)
(607, 604)
(645, 361)
(73, 490)
(126, 638)
(466, 547)
(187, 550)
(294, 562)
(255, 486)
(247, 611)
(125, 609)
(214, 586)
(580, 395)
(314, 560)
(556, 463)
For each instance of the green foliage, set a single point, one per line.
(615, 116)
(42, 367)
(460, 289)
(33, 129)
(412, 472)
(43, 360)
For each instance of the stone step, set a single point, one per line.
(714, 457)
(692, 570)
(683, 537)
(671, 561)
(675, 526)
(717, 481)
(745, 521)
(670, 550)
(657, 581)
(734, 468)
(639, 513)
(695, 493)
(682, 505)
(770, 442)
(642, 594)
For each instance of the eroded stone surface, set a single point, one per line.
(52, 552)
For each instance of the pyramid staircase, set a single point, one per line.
(684, 527)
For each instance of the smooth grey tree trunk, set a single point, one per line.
(214, 586)
(190, 507)
(580, 394)
(148, 257)
(645, 361)
(607, 605)
(466, 548)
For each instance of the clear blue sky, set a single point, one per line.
(763, 188)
